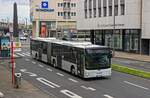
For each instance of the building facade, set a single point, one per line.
(4, 28)
(52, 18)
(124, 22)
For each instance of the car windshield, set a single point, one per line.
(97, 59)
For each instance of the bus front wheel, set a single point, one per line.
(72, 70)
(54, 63)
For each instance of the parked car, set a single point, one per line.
(23, 38)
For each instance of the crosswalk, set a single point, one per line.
(22, 54)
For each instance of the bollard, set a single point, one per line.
(1, 95)
(17, 80)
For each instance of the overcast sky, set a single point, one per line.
(6, 9)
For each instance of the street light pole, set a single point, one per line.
(114, 20)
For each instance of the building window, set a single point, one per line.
(116, 8)
(122, 6)
(110, 7)
(90, 4)
(74, 5)
(99, 8)
(85, 8)
(99, 12)
(94, 8)
(74, 13)
(62, 14)
(94, 12)
(90, 13)
(58, 4)
(59, 14)
(85, 13)
(105, 11)
(90, 8)
(105, 8)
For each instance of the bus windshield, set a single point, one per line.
(97, 59)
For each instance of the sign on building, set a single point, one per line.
(44, 4)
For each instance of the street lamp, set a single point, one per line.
(114, 19)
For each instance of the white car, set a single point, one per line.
(23, 38)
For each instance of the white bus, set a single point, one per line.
(80, 58)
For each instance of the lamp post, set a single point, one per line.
(114, 20)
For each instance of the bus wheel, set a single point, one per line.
(54, 63)
(72, 70)
(36, 56)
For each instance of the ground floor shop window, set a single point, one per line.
(131, 40)
(124, 40)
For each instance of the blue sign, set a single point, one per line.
(44, 4)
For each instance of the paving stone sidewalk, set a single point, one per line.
(27, 90)
(132, 56)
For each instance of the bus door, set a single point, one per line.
(49, 53)
(80, 65)
(40, 52)
(59, 60)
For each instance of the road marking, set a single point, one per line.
(108, 96)
(48, 83)
(20, 54)
(70, 94)
(28, 53)
(136, 85)
(72, 80)
(25, 54)
(60, 74)
(49, 69)
(33, 62)
(27, 59)
(15, 55)
(40, 65)
(88, 88)
(30, 73)
(1, 95)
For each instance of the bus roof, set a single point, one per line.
(78, 44)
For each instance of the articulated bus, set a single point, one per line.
(79, 58)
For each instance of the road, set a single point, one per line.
(60, 84)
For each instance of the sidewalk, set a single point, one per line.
(132, 56)
(26, 91)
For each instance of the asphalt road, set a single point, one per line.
(61, 84)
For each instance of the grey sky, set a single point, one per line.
(6, 10)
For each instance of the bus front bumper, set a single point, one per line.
(97, 73)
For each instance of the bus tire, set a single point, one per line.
(72, 70)
(36, 56)
(54, 63)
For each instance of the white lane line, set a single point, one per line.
(108, 96)
(16, 55)
(1, 95)
(48, 83)
(33, 62)
(20, 54)
(28, 53)
(49, 69)
(60, 74)
(70, 94)
(27, 59)
(136, 85)
(25, 54)
(30, 73)
(40, 65)
(72, 80)
(88, 88)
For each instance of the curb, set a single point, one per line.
(1, 95)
